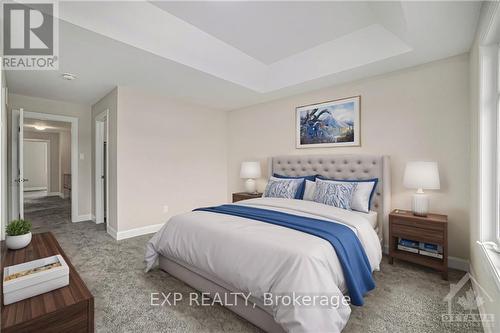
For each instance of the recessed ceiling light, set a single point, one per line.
(69, 76)
(39, 128)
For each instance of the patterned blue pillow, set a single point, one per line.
(334, 193)
(282, 188)
(302, 187)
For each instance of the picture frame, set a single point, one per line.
(335, 123)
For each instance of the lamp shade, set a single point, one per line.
(422, 175)
(250, 170)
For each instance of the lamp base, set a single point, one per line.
(420, 204)
(250, 186)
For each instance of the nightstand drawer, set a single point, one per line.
(418, 224)
(417, 234)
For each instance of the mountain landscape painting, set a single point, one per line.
(329, 124)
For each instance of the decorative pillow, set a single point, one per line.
(282, 188)
(335, 194)
(362, 197)
(309, 189)
(300, 191)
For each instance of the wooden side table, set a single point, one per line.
(67, 309)
(244, 196)
(430, 229)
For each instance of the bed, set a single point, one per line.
(223, 254)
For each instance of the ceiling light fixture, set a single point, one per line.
(39, 128)
(69, 76)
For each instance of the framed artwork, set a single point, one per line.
(329, 124)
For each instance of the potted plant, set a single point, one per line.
(18, 234)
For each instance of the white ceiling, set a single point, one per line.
(227, 55)
(272, 31)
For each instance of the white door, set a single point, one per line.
(99, 172)
(17, 165)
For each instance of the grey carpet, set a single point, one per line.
(408, 298)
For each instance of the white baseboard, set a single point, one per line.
(458, 263)
(35, 188)
(83, 218)
(453, 262)
(119, 235)
(55, 194)
(111, 231)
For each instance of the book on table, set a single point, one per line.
(408, 243)
(429, 247)
(431, 254)
(423, 248)
(407, 248)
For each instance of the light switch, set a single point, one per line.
(82, 157)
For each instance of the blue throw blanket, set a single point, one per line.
(352, 256)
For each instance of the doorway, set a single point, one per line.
(32, 193)
(46, 203)
(101, 167)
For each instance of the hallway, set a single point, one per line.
(48, 213)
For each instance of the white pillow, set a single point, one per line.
(360, 198)
(309, 190)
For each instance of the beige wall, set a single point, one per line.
(168, 154)
(54, 166)
(419, 113)
(110, 103)
(83, 113)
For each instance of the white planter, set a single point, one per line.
(18, 242)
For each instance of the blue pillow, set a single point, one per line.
(282, 188)
(302, 187)
(373, 180)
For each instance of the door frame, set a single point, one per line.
(101, 122)
(74, 155)
(48, 168)
(16, 191)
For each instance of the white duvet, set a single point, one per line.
(258, 257)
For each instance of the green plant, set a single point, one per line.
(18, 227)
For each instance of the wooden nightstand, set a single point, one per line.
(244, 196)
(430, 229)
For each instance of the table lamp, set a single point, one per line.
(250, 171)
(421, 176)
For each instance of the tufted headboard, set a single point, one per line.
(341, 166)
